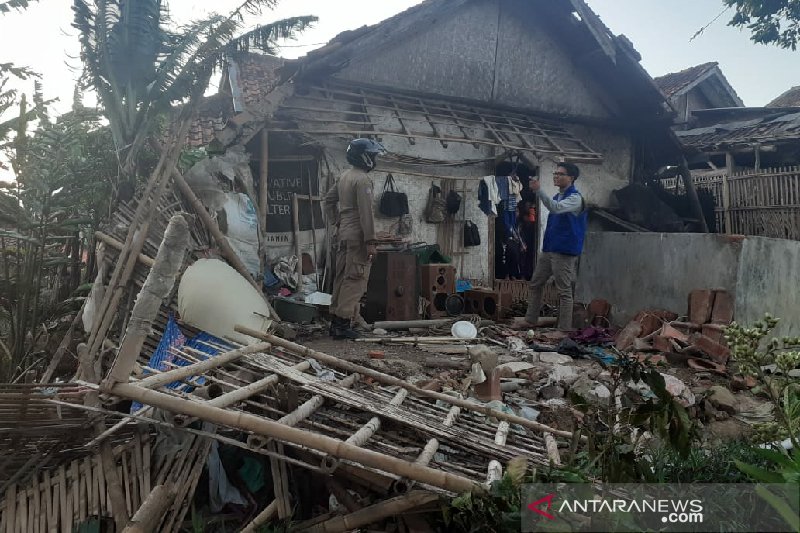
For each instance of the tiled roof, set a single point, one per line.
(790, 98)
(257, 76)
(775, 127)
(675, 81)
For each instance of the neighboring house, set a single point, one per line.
(451, 87)
(697, 88)
(790, 98)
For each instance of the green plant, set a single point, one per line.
(752, 355)
(769, 21)
(701, 465)
(495, 510)
(615, 430)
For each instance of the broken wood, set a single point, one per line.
(375, 513)
(387, 379)
(156, 288)
(334, 447)
(552, 450)
(152, 510)
(117, 245)
(262, 518)
(415, 340)
(406, 324)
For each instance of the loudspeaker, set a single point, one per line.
(482, 302)
(437, 281)
(392, 288)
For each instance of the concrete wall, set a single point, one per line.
(636, 271)
(768, 282)
(495, 52)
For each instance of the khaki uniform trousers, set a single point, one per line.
(562, 268)
(350, 282)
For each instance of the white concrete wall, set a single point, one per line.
(636, 271)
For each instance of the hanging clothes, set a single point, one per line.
(488, 195)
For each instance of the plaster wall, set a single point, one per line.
(495, 52)
(636, 271)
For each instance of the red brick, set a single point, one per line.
(714, 350)
(667, 316)
(662, 344)
(599, 309)
(650, 324)
(489, 390)
(672, 333)
(715, 334)
(701, 302)
(722, 312)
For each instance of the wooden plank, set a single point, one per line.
(66, 523)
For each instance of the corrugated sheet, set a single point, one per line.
(783, 127)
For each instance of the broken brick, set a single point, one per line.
(650, 324)
(704, 365)
(662, 344)
(627, 335)
(714, 334)
(599, 311)
(722, 312)
(701, 302)
(489, 390)
(663, 314)
(672, 333)
(714, 350)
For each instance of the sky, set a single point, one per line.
(42, 38)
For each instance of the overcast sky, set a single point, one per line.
(43, 39)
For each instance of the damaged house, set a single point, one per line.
(455, 91)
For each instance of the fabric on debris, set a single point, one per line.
(213, 297)
(241, 230)
(286, 271)
(593, 335)
(220, 490)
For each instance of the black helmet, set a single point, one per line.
(361, 153)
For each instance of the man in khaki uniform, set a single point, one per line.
(348, 206)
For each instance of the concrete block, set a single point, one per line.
(722, 312)
(701, 303)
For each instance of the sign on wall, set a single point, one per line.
(286, 178)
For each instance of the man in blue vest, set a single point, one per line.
(562, 245)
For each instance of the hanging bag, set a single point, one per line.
(472, 237)
(393, 203)
(453, 202)
(436, 210)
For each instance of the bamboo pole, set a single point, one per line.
(270, 428)
(494, 472)
(62, 347)
(280, 481)
(375, 513)
(157, 380)
(402, 486)
(552, 450)
(342, 495)
(365, 432)
(387, 379)
(262, 518)
(502, 433)
(296, 231)
(156, 288)
(152, 510)
(305, 410)
(406, 324)
(415, 340)
(117, 245)
(263, 191)
(242, 393)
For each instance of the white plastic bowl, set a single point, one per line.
(464, 330)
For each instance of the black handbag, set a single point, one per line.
(453, 202)
(393, 203)
(472, 237)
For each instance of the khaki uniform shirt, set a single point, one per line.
(352, 196)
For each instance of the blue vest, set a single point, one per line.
(565, 232)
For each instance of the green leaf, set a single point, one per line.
(759, 474)
(780, 505)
